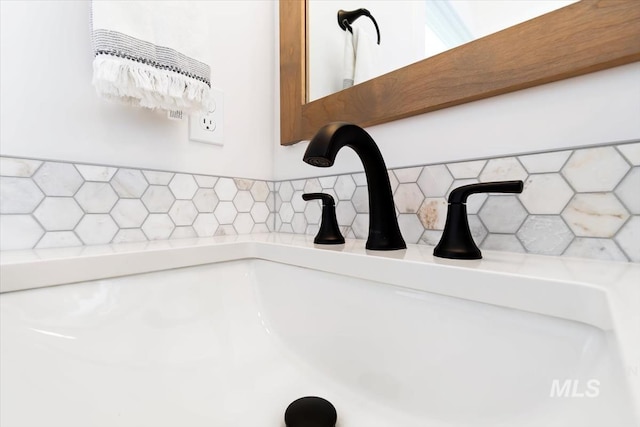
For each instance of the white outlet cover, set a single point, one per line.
(209, 128)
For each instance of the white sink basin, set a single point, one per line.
(233, 343)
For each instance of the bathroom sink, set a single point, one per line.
(234, 341)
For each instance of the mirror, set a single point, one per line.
(413, 30)
(587, 36)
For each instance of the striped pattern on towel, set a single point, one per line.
(107, 42)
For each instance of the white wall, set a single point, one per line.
(49, 109)
(596, 108)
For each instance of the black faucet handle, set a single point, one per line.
(329, 233)
(327, 199)
(460, 194)
(456, 241)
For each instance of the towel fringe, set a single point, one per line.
(134, 83)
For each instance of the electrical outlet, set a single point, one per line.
(207, 122)
(209, 127)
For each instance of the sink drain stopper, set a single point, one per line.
(310, 412)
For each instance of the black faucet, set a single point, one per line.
(456, 241)
(329, 232)
(384, 233)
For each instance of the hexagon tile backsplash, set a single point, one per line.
(583, 202)
(53, 204)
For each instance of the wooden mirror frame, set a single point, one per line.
(584, 37)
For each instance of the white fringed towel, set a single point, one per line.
(145, 53)
(360, 58)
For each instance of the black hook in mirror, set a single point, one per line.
(346, 18)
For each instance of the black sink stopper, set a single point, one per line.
(456, 241)
(310, 411)
(329, 233)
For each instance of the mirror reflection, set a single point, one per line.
(410, 31)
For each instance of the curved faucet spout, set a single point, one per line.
(384, 233)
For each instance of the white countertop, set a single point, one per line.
(175, 254)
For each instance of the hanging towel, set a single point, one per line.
(366, 51)
(148, 53)
(349, 61)
(360, 58)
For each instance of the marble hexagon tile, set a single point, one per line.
(595, 169)
(55, 204)
(19, 195)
